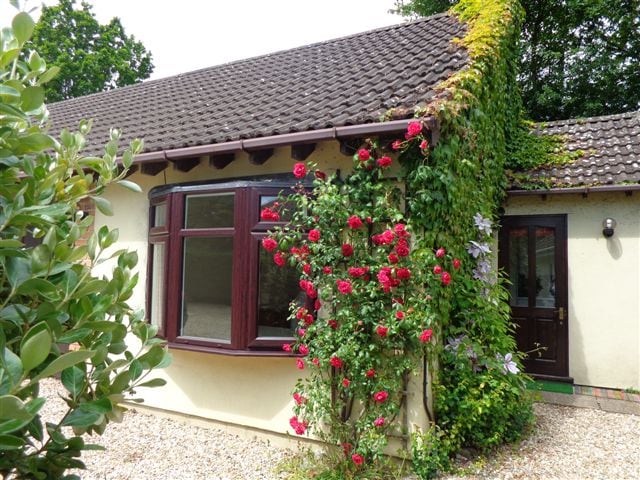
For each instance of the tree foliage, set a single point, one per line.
(91, 57)
(577, 58)
(49, 297)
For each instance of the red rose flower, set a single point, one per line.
(317, 305)
(300, 363)
(425, 336)
(347, 250)
(278, 259)
(299, 399)
(424, 145)
(306, 268)
(299, 170)
(379, 422)
(269, 244)
(301, 332)
(399, 314)
(446, 278)
(327, 270)
(382, 330)
(380, 397)
(437, 269)
(413, 129)
(346, 447)
(369, 220)
(303, 349)
(402, 249)
(344, 286)
(315, 361)
(335, 362)
(308, 319)
(298, 426)
(356, 272)
(354, 222)
(393, 258)
(384, 162)
(332, 323)
(320, 175)
(440, 252)
(370, 373)
(403, 273)
(357, 459)
(397, 145)
(456, 263)
(286, 347)
(269, 215)
(346, 382)
(363, 155)
(314, 235)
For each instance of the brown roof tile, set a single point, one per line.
(347, 81)
(610, 146)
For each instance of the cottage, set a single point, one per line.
(219, 146)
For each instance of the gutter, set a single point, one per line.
(261, 143)
(573, 190)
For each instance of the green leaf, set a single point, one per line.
(12, 408)
(18, 270)
(73, 379)
(153, 357)
(10, 442)
(23, 26)
(74, 335)
(37, 142)
(134, 187)
(103, 205)
(81, 418)
(12, 367)
(64, 361)
(156, 382)
(32, 98)
(48, 75)
(35, 349)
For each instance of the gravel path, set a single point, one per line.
(569, 443)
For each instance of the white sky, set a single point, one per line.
(191, 34)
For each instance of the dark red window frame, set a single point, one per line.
(247, 232)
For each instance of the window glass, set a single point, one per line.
(519, 266)
(160, 215)
(158, 252)
(206, 303)
(278, 286)
(209, 211)
(545, 267)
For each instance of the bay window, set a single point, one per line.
(210, 285)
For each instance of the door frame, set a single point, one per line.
(559, 222)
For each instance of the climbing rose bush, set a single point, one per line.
(364, 315)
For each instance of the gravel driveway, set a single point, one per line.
(569, 443)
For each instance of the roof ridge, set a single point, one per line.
(583, 120)
(240, 61)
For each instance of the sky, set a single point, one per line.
(187, 35)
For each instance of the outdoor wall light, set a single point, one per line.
(608, 227)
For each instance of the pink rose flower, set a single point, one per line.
(344, 286)
(437, 269)
(314, 235)
(298, 426)
(380, 397)
(413, 129)
(379, 422)
(363, 155)
(299, 170)
(424, 145)
(303, 349)
(440, 252)
(278, 259)
(269, 215)
(315, 361)
(384, 162)
(446, 278)
(357, 459)
(425, 336)
(299, 399)
(399, 314)
(287, 347)
(396, 145)
(300, 363)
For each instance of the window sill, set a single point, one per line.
(230, 352)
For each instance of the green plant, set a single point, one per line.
(49, 297)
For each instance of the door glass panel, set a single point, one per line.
(209, 211)
(271, 202)
(277, 288)
(160, 215)
(545, 267)
(156, 315)
(519, 266)
(206, 302)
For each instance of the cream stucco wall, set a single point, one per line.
(604, 283)
(246, 391)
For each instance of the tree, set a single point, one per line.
(49, 297)
(578, 58)
(92, 57)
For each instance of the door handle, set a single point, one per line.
(561, 314)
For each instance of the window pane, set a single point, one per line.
(156, 315)
(519, 266)
(545, 268)
(206, 305)
(278, 287)
(209, 211)
(160, 215)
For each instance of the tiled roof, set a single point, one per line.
(610, 146)
(347, 81)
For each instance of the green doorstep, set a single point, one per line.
(548, 386)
